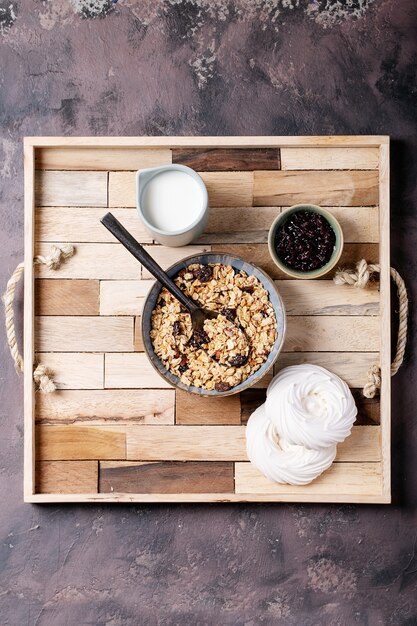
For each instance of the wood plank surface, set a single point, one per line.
(240, 219)
(82, 224)
(66, 297)
(135, 406)
(351, 366)
(185, 443)
(91, 261)
(194, 410)
(67, 476)
(71, 188)
(123, 297)
(228, 159)
(74, 370)
(349, 479)
(368, 409)
(332, 334)
(326, 188)
(259, 255)
(129, 371)
(100, 158)
(224, 188)
(72, 442)
(329, 158)
(323, 297)
(168, 256)
(166, 477)
(83, 334)
(138, 343)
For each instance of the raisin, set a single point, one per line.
(162, 302)
(198, 338)
(264, 313)
(203, 273)
(217, 355)
(229, 314)
(176, 329)
(305, 241)
(248, 289)
(238, 360)
(222, 386)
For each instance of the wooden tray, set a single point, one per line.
(114, 431)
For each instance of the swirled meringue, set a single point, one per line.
(280, 461)
(310, 406)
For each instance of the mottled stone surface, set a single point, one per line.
(209, 67)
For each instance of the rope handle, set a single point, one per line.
(41, 375)
(359, 278)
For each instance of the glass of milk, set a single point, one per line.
(172, 202)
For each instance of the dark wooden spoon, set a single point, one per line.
(198, 315)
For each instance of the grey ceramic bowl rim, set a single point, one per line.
(204, 258)
(159, 170)
(321, 271)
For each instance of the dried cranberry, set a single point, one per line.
(229, 314)
(176, 329)
(264, 313)
(222, 386)
(238, 360)
(203, 273)
(183, 366)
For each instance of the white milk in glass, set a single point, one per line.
(172, 201)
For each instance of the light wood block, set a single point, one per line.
(66, 297)
(329, 158)
(323, 297)
(82, 224)
(72, 442)
(166, 477)
(79, 370)
(228, 159)
(224, 220)
(168, 256)
(354, 479)
(229, 189)
(137, 406)
(185, 443)
(326, 188)
(194, 410)
(96, 158)
(332, 334)
(139, 347)
(351, 366)
(71, 188)
(83, 334)
(130, 371)
(363, 444)
(67, 476)
(106, 261)
(123, 297)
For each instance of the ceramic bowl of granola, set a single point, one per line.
(244, 297)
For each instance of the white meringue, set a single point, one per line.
(310, 406)
(280, 461)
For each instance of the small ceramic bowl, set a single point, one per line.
(239, 264)
(338, 248)
(172, 238)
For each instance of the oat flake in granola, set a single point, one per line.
(241, 300)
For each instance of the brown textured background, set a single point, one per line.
(74, 67)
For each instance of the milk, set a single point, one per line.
(172, 200)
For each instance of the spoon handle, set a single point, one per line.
(139, 252)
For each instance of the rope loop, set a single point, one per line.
(359, 278)
(58, 254)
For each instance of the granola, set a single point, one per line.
(244, 331)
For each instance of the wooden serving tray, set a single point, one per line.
(114, 431)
